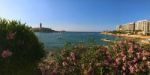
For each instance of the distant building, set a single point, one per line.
(128, 27)
(142, 25)
(119, 27)
(139, 25)
(40, 25)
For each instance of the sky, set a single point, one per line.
(75, 15)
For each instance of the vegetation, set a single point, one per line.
(118, 32)
(42, 30)
(20, 53)
(147, 34)
(121, 58)
(20, 49)
(137, 31)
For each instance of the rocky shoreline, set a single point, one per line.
(142, 38)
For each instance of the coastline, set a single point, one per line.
(142, 39)
(127, 35)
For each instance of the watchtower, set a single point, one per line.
(40, 25)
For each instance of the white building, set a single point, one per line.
(143, 25)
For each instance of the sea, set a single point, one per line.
(57, 40)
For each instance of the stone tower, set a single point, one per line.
(40, 25)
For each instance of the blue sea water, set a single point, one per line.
(58, 39)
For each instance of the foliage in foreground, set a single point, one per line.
(20, 49)
(121, 58)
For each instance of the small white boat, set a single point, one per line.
(105, 40)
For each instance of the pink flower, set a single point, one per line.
(64, 63)
(135, 59)
(73, 56)
(136, 67)
(129, 63)
(68, 58)
(136, 46)
(117, 60)
(98, 64)
(123, 68)
(109, 58)
(138, 55)
(6, 53)
(145, 53)
(124, 73)
(106, 62)
(124, 58)
(11, 36)
(114, 65)
(51, 62)
(132, 69)
(82, 66)
(144, 58)
(123, 53)
(54, 72)
(90, 69)
(86, 72)
(131, 50)
(148, 64)
(121, 42)
(125, 42)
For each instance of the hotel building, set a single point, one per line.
(142, 25)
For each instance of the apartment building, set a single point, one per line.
(143, 25)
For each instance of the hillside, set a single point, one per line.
(43, 30)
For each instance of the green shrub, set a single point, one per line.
(118, 32)
(19, 47)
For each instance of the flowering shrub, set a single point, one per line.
(131, 58)
(18, 47)
(121, 58)
(6, 53)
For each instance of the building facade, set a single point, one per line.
(142, 25)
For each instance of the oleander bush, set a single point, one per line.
(125, 57)
(20, 49)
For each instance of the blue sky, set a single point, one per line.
(75, 15)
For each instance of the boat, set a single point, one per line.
(105, 40)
